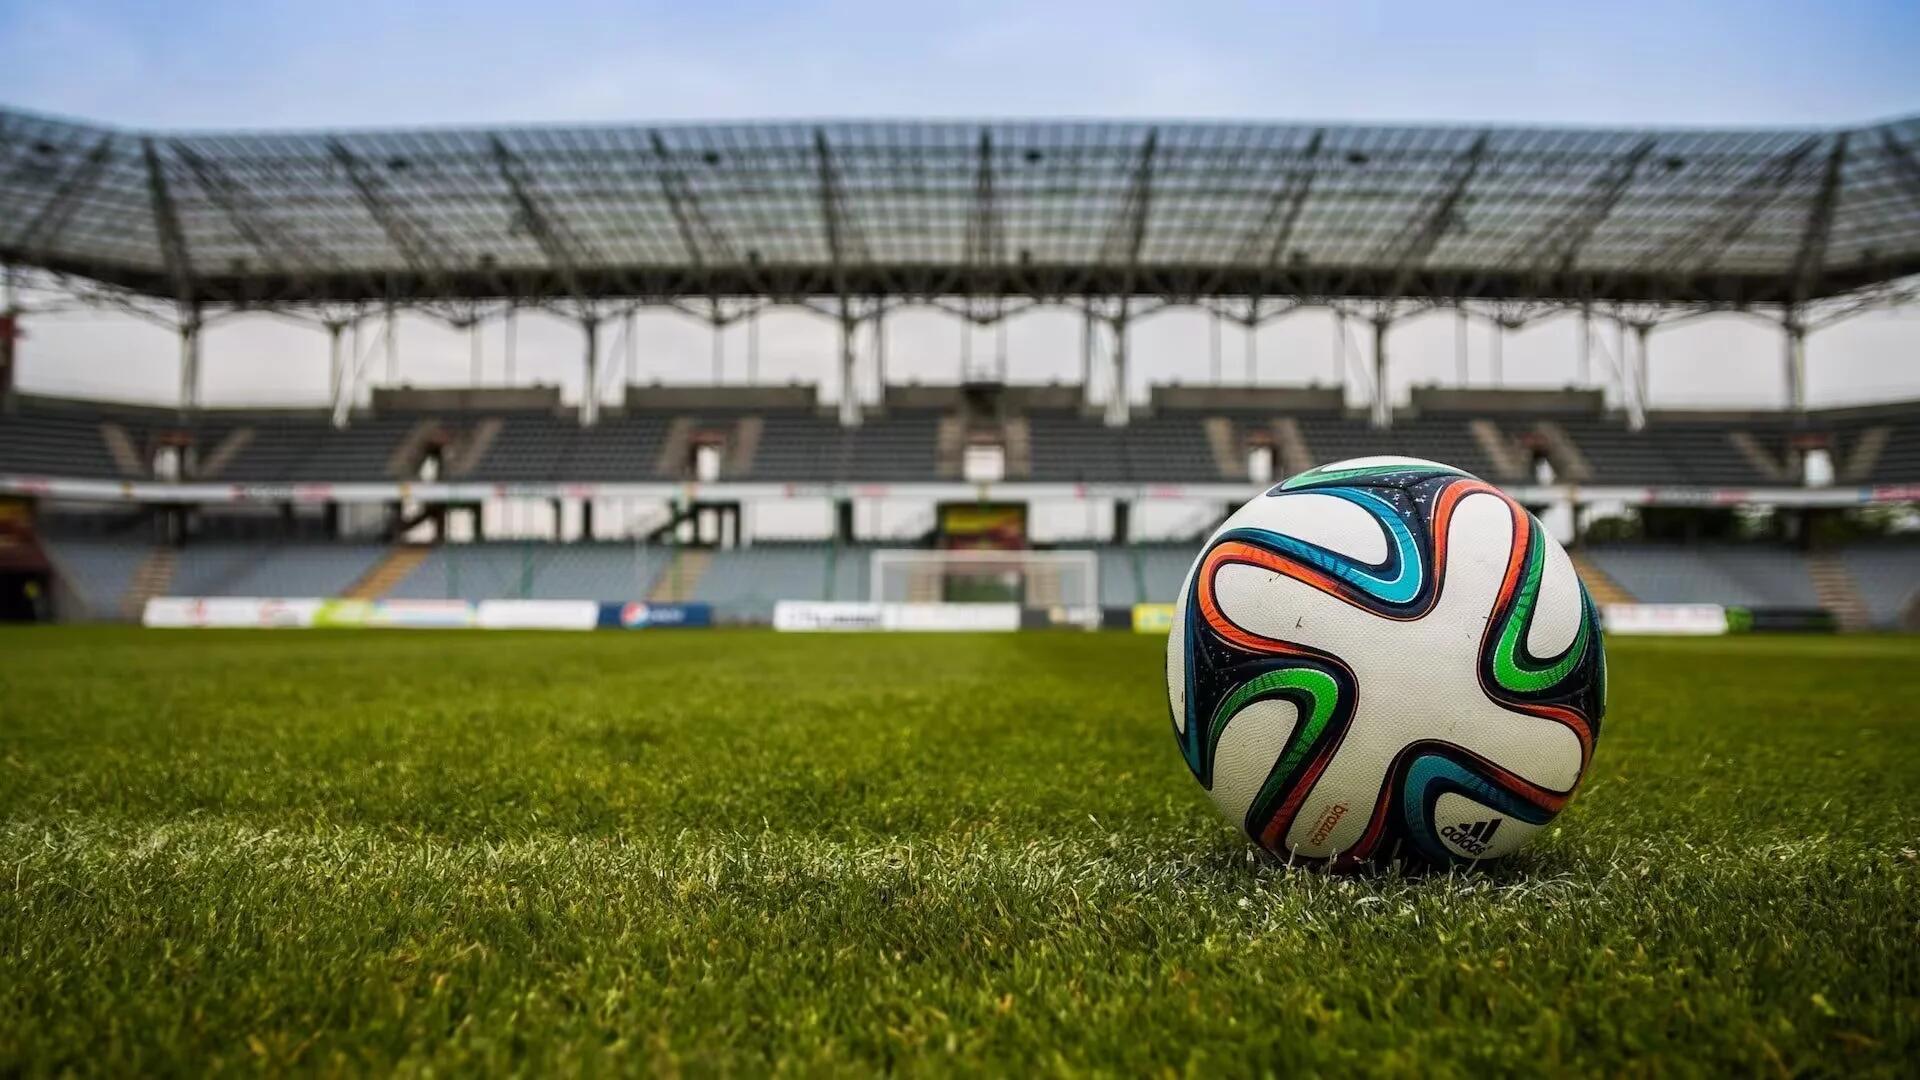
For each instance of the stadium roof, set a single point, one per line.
(1049, 210)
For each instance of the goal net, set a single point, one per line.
(1057, 587)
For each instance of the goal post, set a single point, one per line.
(1060, 588)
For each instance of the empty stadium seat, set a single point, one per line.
(1743, 575)
(745, 583)
(233, 568)
(535, 571)
(96, 570)
(1887, 575)
(67, 446)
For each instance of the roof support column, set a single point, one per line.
(393, 345)
(1584, 372)
(753, 348)
(350, 372)
(1382, 396)
(849, 392)
(1213, 344)
(510, 331)
(1460, 346)
(9, 329)
(1796, 363)
(336, 369)
(1636, 376)
(966, 349)
(631, 345)
(1340, 350)
(1253, 343)
(1496, 356)
(1117, 406)
(590, 392)
(880, 348)
(1086, 357)
(190, 359)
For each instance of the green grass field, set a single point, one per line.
(745, 852)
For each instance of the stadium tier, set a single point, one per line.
(798, 444)
(744, 583)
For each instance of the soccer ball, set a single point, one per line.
(1385, 659)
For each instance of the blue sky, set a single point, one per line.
(266, 64)
(187, 64)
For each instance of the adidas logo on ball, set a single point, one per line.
(1473, 838)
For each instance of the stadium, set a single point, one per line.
(353, 828)
(642, 489)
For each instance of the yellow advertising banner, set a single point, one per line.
(1152, 618)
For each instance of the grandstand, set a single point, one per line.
(426, 495)
(1183, 447)
(1184, 439)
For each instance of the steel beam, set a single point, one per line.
(166, 225)
(336, 369)
(565, 251)
(799, 283)
(392, 344)
(1739, 209)
(350, 385)
(1086, 356)
(1795, 336)
(190, 360)
(849, 390)
(1811, 258)
(1268, 241)
(419, 248)
(1251, 361)
(1382, 394)
(986, 244)
(1636, 374)
(1584, 372)
(39, 233)
(590, 391)
(1118, 405)
(1463, 370)
(9, 330)
(1555, 249)
(753, 347)
(1904, 162)
(832, 212)
(277, 246)
(705, 244)
(1407, 252)
(1128, 233)
(510, 342)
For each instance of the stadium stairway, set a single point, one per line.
(151, 578)
(1508, 465)
(228, 448)
(1600, 585)
(1224, 442)
(1569, 463)
(1838, 592)
(949, 448)
(1291, 441)
(399, 564)
(1865, 455)
(676, 583)
(120, 448)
